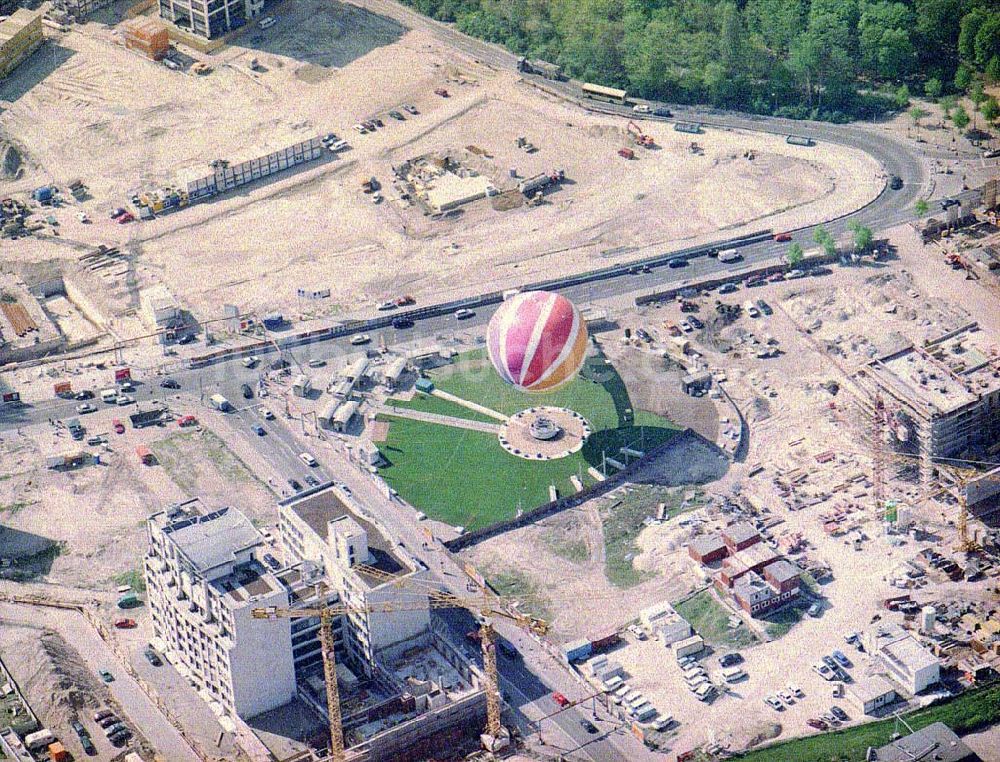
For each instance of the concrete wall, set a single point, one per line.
(263, 674)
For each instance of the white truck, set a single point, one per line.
(730, 255)
(220, 403)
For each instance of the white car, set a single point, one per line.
(641, 108)
(308, 459)
(337, 146)
(266, 414)
(823, 671)
(268, 22)
(360, 128)
(82, 216)
(125, 399)
(361, 338)
(86, 407)
(795, 690)
(463, 313)
(774, 703)
(383, 306)
(786, 697)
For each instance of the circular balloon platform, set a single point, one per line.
(544, 433)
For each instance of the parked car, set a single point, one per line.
(170, 383)
(795, 690)
(695, 322)
(397, 116)
(782, 237)
(125, 399)
(643, 334)
(308, 459)
(410, 109)
(728, 660)
(641, 108)
(895, 182)
(152, 657)
(117, 212)
(829, 661)
(814, 610)
(463, 314)
(88, 746)
(786, 697)
(103, 714)
(272, 561)
(560, 699)
(311, 480)
(125, 624)
(108, 721)
(727, 288)
(765, 307)
(86, 407)
(119, 426)
(839, 713)
(818, 724)
(842, 659)
(823, 671)
(361, 338)
(400, 323)
(774, 703)
(294, 485)
(246, 391)
(266, 414)
(106, 676)
(84, 394)
(258, 430)
(589, 726)
(660, 111)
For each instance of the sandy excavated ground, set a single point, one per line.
(121, 123)
(39, 507)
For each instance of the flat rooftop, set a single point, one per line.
(946, 375)
(319, 508)
(937, 742)
(208, 539)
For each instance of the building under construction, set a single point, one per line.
(942, 399)
(20, 36)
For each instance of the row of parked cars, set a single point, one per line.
(371, 125)
(117, 732)
(833, 667)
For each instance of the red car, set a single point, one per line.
(187, 420)
(560, 699)
(783, 237)
(818, 724)
(125, 624)
(119, 426)
(123, 218)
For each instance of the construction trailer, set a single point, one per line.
(541, 68)
(20, 36)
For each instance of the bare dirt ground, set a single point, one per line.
(59, 687)
(96, 111)
(41, 510)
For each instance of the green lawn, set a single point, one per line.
(429, 404)
(781, 621)
(710, 619)
(972, 710)
(465, 478)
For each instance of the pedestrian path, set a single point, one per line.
(444, 420)
(470, 405)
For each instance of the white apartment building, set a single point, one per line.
(203, 579)
(906, 661)
(326, 527)
(210, 18)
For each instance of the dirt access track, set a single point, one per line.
(313, 228)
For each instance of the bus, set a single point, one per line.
(601, 93)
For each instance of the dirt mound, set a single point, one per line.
(10, 162)
(51, 674)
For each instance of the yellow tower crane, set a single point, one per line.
(486, 606)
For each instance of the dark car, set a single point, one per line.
(828, 661)
(695, 322)
(258, 430)
(895, 182)
(588, 726)
(311, 480)
(247, 391)
(660, 111)
(88, 746)
(729, 660)
(294, 485)
(152, 657)
(818, 724)
(402, 323)
(839, 713)
(280, 364)
(643, 334)
(107, 722)
(674, 263)
(764, 307)
(187, 338)
(841, 658)
(78, 728)
(170, 383)
(397, 116)
(86, 394)
(272, 561)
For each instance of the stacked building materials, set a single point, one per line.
(20, 36)
(147, 36)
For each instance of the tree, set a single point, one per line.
(960, 118)
(884, 39)
(976, 93)
(863, 236)
(991, 109)
(933, 88)
(963, 77)
(902, 97)
(918, 114)
(795, 255)
(921, 207)
(822, 236)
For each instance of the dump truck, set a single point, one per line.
(541, 68)
(540, 181)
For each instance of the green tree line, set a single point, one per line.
(828, 59)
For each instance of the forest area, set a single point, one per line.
(820, 59)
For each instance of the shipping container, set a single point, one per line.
(597, 645)
(577, 650)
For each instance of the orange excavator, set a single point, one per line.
(641, 138)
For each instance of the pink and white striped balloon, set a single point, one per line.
(537, 341)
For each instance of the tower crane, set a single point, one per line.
(485, 606)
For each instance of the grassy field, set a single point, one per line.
(429, 404)
(464, 478)
(972, 710)
(783, 620)
(710, 619)
(179, 455)
(515, 586)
